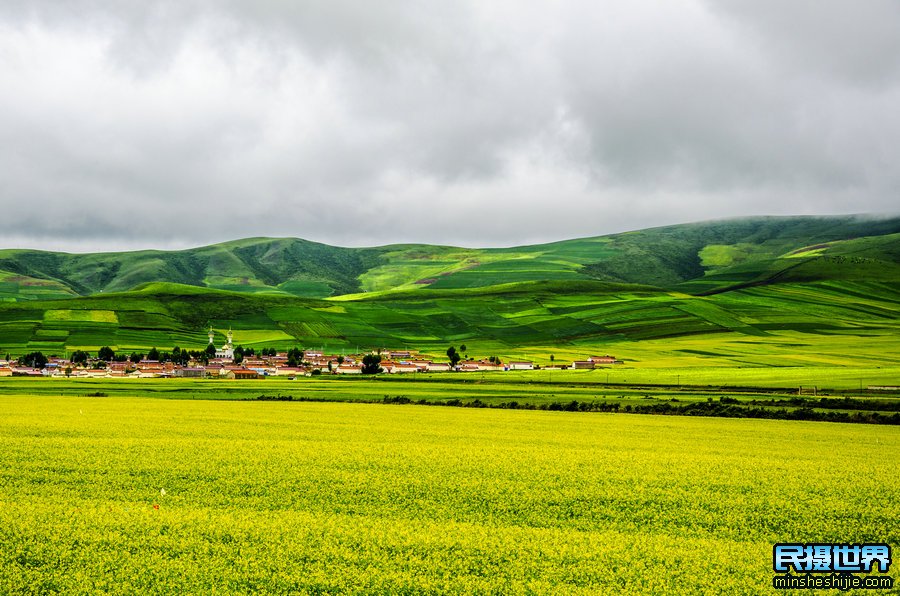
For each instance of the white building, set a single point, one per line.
(227, 350)
(521, 366)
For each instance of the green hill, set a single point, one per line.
(710, 255)
(275, 265)
(828, 323)
(764, 291)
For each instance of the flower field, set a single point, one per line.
(140, 495)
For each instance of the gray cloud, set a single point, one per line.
(182, 123)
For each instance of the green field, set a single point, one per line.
(761, 292)
(313, 497)
(728, 393)
(820, 325)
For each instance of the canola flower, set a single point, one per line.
(357, 498)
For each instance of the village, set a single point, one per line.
(230, 362)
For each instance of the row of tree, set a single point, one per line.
(456, 355)
(176, 356)
(295, 357)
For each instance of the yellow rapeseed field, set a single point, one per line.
(134, 495)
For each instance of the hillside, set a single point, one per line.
(288, 266)
(770, 291)
(820, 323)
(707, 256)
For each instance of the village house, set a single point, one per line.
(603, 359)
(348, 369)
(191, 373)
(583, 365)
(26, 371)
(241, 373)
(438, 367)
(487, 365)
(521, 365)
(215, 370)
(151, 372)
(99, 373)
(5, 371)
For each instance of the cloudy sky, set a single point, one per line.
(178, 123)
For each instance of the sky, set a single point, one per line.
(172, 124)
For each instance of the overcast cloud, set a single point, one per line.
(179, 123)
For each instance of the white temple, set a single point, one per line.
(227, 350)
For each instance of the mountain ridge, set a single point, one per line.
(692, 257)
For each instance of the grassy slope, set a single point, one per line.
(671, 255)
(712, 254)
(287, 266)
(821, 324)
(784, 292)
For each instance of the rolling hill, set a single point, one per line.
(711, 254)
(762, 291)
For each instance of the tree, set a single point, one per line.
(210, 351)
(340, 359)
(295, 357)
(552, 357)
(371, 364)
(79, 357)
(153, 354)
(453, 355)
(199, 356)
(462, 348)
(180, 356)
(68, 371)
(106, 353)
(34, 360)
(136, 357)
